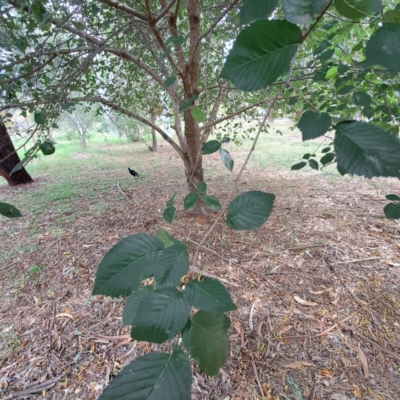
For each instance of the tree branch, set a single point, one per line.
(164, 11)
(125, 8)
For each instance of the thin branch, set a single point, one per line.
(164, 11)
(125, 8)
(304, 37)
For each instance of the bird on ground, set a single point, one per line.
(133, 172)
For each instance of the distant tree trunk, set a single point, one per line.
(154, 146)
(9, 159)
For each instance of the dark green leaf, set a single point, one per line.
(383, 48)
(197, 113)
(368, 112)
(364, 149)
(208, 294)
(326, 55)
(132, 304)
(47, 147)
(78, 25)
(178, 40)
(393, 197)
(202, 187)
(160, 315)
(67, 105)
(171, 201)
(210, 147)
(169, 214)
(306, 156)
(171, 265)
(362, 99)
(313, 124)
(225, 139)
(226, 159)
(40, 117)
(122, 267)
(392, 211)
(346, 89)
(190, 200)
(354, 9)
(20, 165)
(298, 166)
(326, 150)
(184, 105)
(313, 164)
(206, 339)
(249, 210)
(9, 211)
(169, 81)
(327, 158)
(293, 100)
(318, 6)
(297, 11)
(342, 68)
(391, 17)
(256, 9)
(154, 376)
(211, 202)
(257, 58)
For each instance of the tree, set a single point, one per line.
(9, 159)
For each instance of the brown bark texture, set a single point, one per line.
(9, 159)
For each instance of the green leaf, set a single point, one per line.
(166, 238)
(184, 105)
(313, 164)
(47, 147)
(256, 9)
(249, 210)
(332, 73)
(171, 265)
(257, 58)
(190, 200)
(208, 294)
(9, 211)
(383, 48)
(300, 165)
(327, 158)
(78, 25)
(132, 304)
(154, 376)
(206, 339)
(306, 156)
(346, 89)
(392, 211)
(343, 68)
(391, 17)
(171, 201)
(313, 125)
(226, 159)
(368, 112)
(393, 197)
(123, 267)
(362, 99)
(39, 11)
(20, 165)
(366, 150)
(40, 117)
(297, 11)
(326, 55)
(197, 114)
(318, 6)
(326, 150)
(160, 315)
(169, 214)
(354, 9)
(202, 187)
(169, 81)
(225, 139)
(210, 147)
(178, 40)
(211, 202)
(67, 105)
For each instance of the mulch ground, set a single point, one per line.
(317, 290)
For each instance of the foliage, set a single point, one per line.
(9, 210)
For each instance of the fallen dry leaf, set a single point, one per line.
(320, 291)
(298, 364)
(64, 314)
(305, 302)
(363, 359)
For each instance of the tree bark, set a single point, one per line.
(9, 159)
(154, 146)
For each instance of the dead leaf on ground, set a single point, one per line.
(305, 302)
(298, 364)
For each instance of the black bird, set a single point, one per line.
(133, 172)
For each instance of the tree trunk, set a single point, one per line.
(154, 146)
(9, 159)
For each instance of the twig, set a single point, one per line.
(200, 272)
(122, 192)
(33, 389)
(229, 260)
(306, 246)
(358, 260)
(257, 379)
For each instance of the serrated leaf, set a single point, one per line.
(40, 117)
(256, 9)
(206, 339)
(190, 200)
(171, 265)
(122, 267)
(170, 81)
(257, 58)
(211, 202)
(208, 294)
(171, 201)
(169, 214)
(313, 125)
(197, 114)
(327, 158)
(160, 315)
(154, 376)
(300, 165)
(383, 48)
(362, 99)
(366, 150)
(210, 147)
(393, 197)
(132, 304)
(226, 159)
(184, 105)
(297, 11)
(313, 164)
(392, 211)
(9, 211)
(249, 210)
(354, 9)
(202, 187)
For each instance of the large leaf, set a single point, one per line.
(211, 147)
(297, 11)
(226, 159)
(211, 202)
(249, 210)
(171, 265)
(132, 304)
(383, 48)
(190, 200)
(9, 211)
(206, 339)
(154, 376)
(160, 315)
(122, 267)
(261, 53)
(392, 211)
(256, 9)
(318, 6)
(362, 99)
(354, 9)
(313, 124)
(364, 149)
(208, 294)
